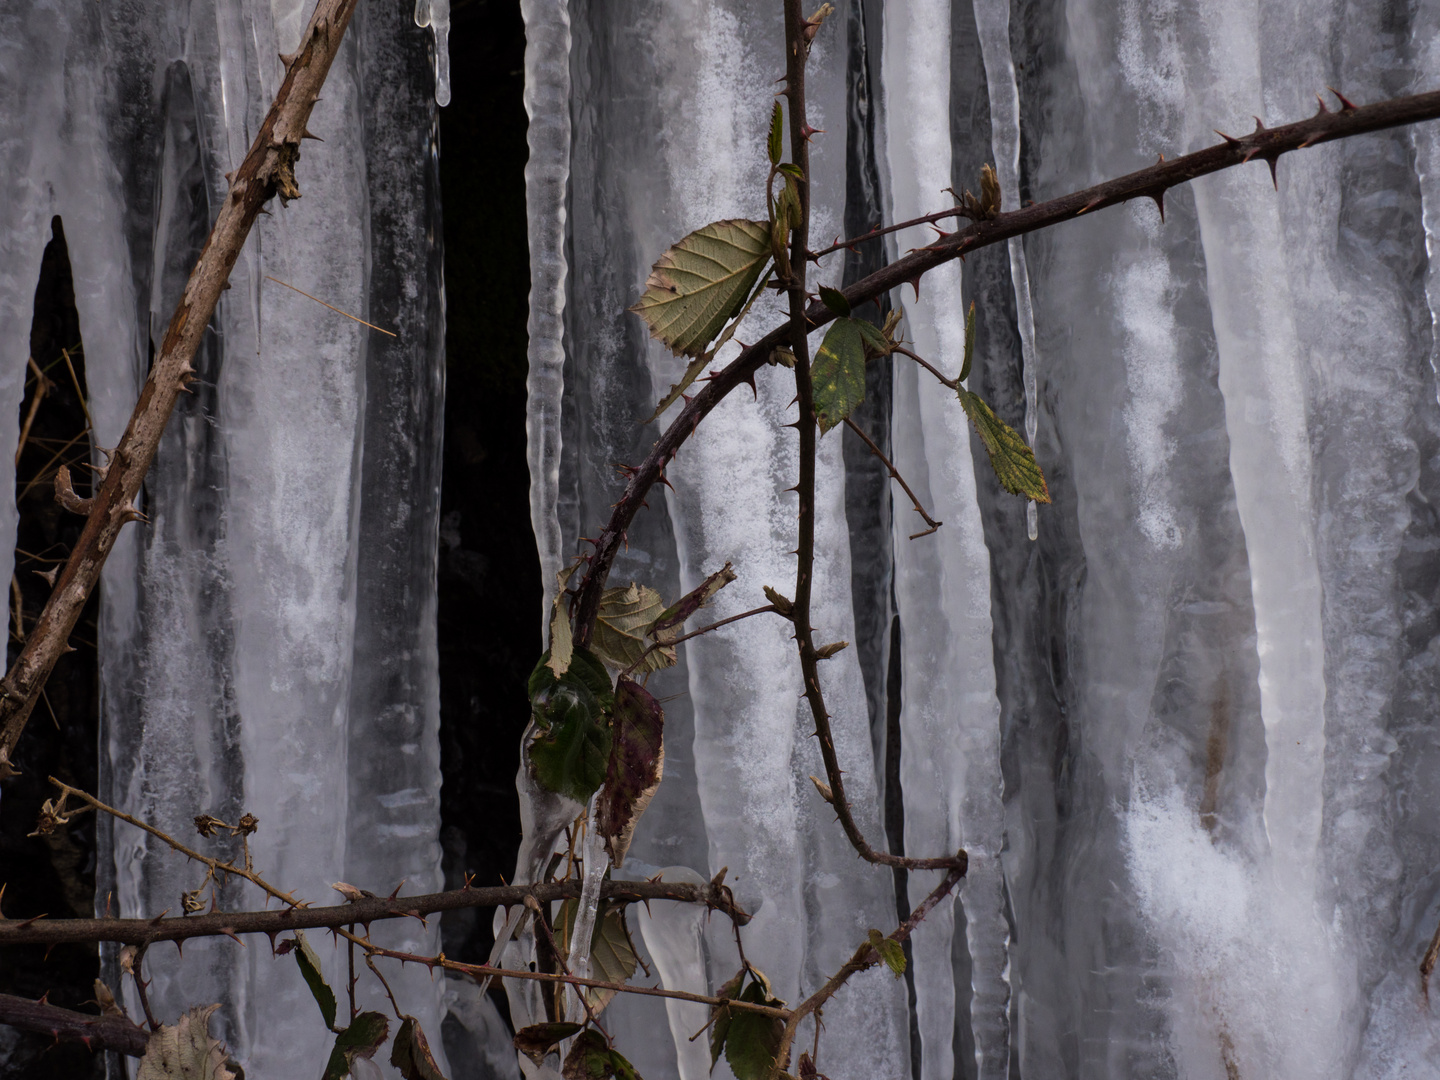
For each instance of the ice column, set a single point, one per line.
(950, 764)
(436, 15)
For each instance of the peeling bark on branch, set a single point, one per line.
(268, 170)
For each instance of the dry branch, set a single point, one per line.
(142, 932)
(268, 170)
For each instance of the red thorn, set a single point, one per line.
(1161, 161)
(156, 920)
(180, 948)
(1346, 104)
(1228, 138)
(229, 931)
(1160, 204)
(1088, 206)
(397, 889)
(806, 131)
(915, 284)
(29, 921)
(1322, 108)
(43, 999)
(271, 935)
(1259, 125)
(1272, 162)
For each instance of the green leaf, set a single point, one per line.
(612, 956)
(787, 216)
(753, 1040)
(586, 677)
(789, 168)
(185, 1051)
(838, 374)
(589, 1058)
(310, 972)
(720, 1025)
(637, 762)
(623, 626)
(890, 950)
(537, 1040)
(777, 134)
(835, 300)
(701, 282)
(692, 601)
(1014, 462)
(876, 341)
(969, 343)
(361, 1039)
(411, 1053)
(571, 756)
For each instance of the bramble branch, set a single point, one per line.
(267, 170)
(118, 1033)
(1267, 144)
(895, 475)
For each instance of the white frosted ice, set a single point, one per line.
(436, 15)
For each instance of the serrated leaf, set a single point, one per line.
(310, 972)
(1014, 462)
(637, 762)
(612, 956)
(969, 343)
(835, 300)
(776, 143)
(753, 1039)
(361, 1039)
(789, 168)
(838, 374)
(622, 629)
(890, 950)
(692, 601)
(411, 1053)
(701, 282)
(570, 757)
(185, 1050)
(537, 1040)
(586, 677)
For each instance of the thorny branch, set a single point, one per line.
(118, 1033)
(267, 170)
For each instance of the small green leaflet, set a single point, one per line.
(411, 1053)
(1014, 462)
(835, 300)
(791, 169)
(612, 957)
(361, 1039)
(637, 762)
(838, 374)
(571, 757)
(702, 281)
(623, 625)
(969, 343)
(890, 950)
(310, 972)
(777, 134)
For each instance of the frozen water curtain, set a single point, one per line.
(1182, 719)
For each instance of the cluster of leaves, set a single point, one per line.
(366, 1032)
(591, 1057)
(591, 734)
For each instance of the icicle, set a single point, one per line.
(436, 15)
(992, 21)
(547, 175)
(596, 863)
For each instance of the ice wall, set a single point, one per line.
(267, 640)
(1186, 733)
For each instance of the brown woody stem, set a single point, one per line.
(268, 169)
(895, 475)
(116, 1033)
(363, 911)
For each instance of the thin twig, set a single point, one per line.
(268, 169)
(894, 475)
(350, 948)
(953, 384)
(79, 393)
(370, 963)
(695, 633)
(864, 957)
(877, 232)
(332, 307)
(559, 955)
(40, 384)
(138, 975)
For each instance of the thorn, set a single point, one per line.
(306, 134)
(230, 177)
(288, 58)
(229, 931)
(1161, 160)
(915, 284)
(29, 921)
(1346, 104)
(1272, 161)
(1160, 204)
(806, 131)
(1322, 108)
(754, 393)
(1259, 125)
(1229, 139)
(397, 889)
(271, 935)
(156, 920)
(1091, 205)
(180, 948)
(49, 576)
